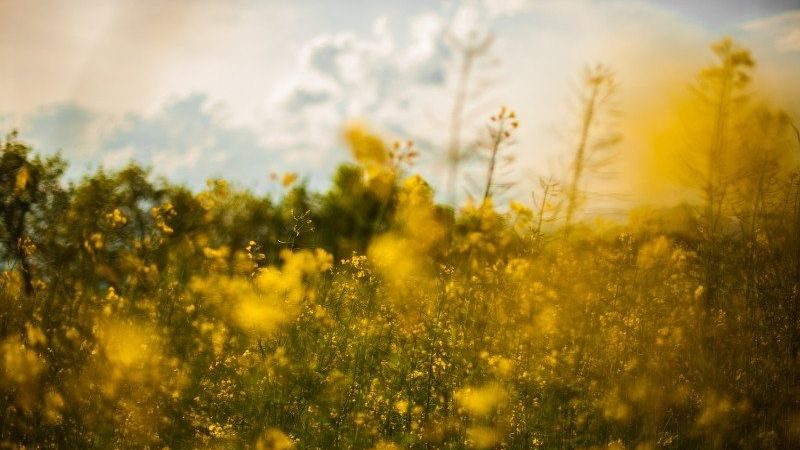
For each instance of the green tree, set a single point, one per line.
(27, 185)
(350, 213)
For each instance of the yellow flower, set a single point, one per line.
(160, 215)
(401, 406)
(367, 148)
(53, 405)
(21, 365)
(116, 219)
(288, 179)
(21, 180)
(35, 335)
(216, 253)
(274, 439)
(483, 437)
(386, 445)
(481, 401)
(95, 242)
(272, 298)
(127, 344)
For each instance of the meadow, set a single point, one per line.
(137, 313)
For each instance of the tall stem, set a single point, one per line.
(580, 154)
(456, 121)
(498, 139)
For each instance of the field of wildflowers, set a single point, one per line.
(140, 314)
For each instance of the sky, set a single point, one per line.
(241, 88)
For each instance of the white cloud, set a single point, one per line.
(426, 30)
(506, 7)
(782, 29)
(343, 76)
(406, 87)
(187, 138)
(273, 99)
(789, 41)
(788, 18)
(168, 161)
(118, 157)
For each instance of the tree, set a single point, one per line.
(350, 213)
(26, 185)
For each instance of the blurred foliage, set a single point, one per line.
(138, 314)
